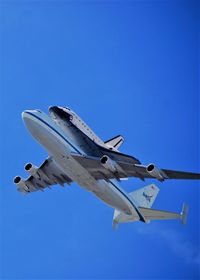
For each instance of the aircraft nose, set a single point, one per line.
(30, 112)
(28, 119)
(25, 113)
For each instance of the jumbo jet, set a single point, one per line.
(76, 154)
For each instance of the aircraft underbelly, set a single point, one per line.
(112, 197)
(60, 149)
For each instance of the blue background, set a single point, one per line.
(127, 68)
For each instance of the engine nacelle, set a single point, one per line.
(32, 170)
(109, 163)
(20, 183)
(155, 172)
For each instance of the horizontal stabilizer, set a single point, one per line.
(152, 214)
(146, 196)
(115, 142)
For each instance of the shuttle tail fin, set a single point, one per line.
(115, 142)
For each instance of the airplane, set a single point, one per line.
(77, 154)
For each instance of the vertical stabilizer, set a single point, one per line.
(146, 196)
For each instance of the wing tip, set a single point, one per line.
(115, 225)
(184, 213)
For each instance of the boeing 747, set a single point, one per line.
(76, 154)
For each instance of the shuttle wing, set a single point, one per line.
(94, 166)
(46, 175)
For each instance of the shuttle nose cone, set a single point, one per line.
(59, 112)
(54, 109)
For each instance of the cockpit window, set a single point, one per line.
(38, 111)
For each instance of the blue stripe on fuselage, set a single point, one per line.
(55, 131)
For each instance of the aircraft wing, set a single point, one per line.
(171, 174)
(46, 175)
(141, 172)
(125, 170)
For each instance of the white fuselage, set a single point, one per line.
(59, 138)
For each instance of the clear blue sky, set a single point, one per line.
(127, 68)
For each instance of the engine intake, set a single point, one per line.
(109, 163)
(20, 183)
(28, 166)
(17, 179)
(150, 167)
(155, 172)
(32, 170)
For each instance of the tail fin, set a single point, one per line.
(143, 197)
(115, 142)
(146, 196)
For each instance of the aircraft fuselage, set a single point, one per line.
(62, 136)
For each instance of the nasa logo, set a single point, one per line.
(148, 197)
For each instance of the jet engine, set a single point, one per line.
(32, 170)
(109, 163)
(155, 172)
(20, 182)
